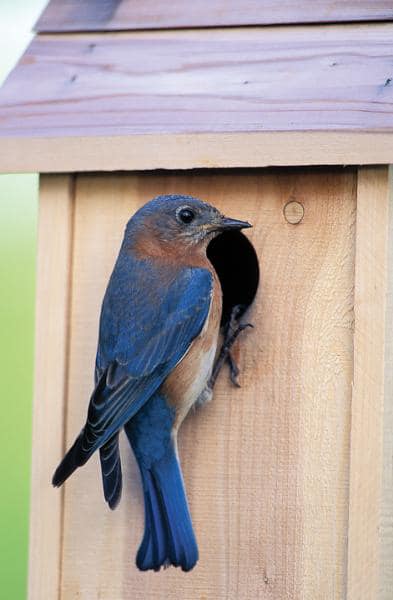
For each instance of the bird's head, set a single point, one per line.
(181, 222)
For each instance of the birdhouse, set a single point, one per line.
(278, 114)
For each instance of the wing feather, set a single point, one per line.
(140, 343)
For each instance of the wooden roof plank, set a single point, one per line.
(103, 15)
(208, 86)
(276, 79)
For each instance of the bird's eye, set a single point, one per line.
(186, 215)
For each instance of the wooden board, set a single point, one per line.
(370, 539)
(385, 585)
(51, 381)
(190, 151)
(202, 81)
(72, 15)
(266, 466)
(234, 97)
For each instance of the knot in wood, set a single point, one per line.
(293, 212)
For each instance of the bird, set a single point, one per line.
(157, 343)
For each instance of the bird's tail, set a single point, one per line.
(110, 467)
(111, 471)
(73, 459)
(169, 537)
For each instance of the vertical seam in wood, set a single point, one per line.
(72, 192)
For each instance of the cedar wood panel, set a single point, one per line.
(266, 466)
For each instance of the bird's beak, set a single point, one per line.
(227, 223)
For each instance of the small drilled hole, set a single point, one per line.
(236, 263)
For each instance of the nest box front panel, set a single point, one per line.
(265, 465)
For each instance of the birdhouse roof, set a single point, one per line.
(115, 15)
(196, 88)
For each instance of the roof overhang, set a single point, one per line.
(238, 97)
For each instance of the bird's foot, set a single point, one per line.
(234, 370)
(231, 333)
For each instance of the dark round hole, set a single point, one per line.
(236, 263)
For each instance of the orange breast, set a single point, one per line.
(190, 376)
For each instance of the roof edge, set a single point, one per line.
(61, 16)
(189, 151)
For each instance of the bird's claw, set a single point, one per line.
(233, 370)
(232, 331)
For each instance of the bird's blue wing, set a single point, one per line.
(148, 314)
(149, 319)
(148, 322)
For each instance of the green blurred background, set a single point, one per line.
(18, 216)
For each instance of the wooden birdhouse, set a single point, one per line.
(279, 114)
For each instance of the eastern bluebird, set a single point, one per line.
(158, 338)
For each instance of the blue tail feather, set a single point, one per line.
(169, 537)
(111, 471)
(153, 550)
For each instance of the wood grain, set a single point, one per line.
(232, 97)
(72, 15)
(190, 151)
(385, 586)
(370, 539)
(51, 356)
(266, 466)
(202, 81)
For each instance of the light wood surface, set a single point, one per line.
(266, 466)
(200, 98)
(370, 539)
(51, 360)
(189, 151)
(386, 526)
(72, 15)
(222, 80)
